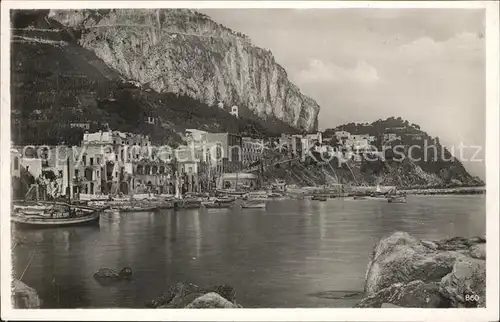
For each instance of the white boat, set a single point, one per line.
(252, 205)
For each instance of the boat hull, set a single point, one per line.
(396, 200)
(38, 223)
(254, 206)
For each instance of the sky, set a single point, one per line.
(360, 65)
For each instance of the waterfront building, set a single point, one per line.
(15, 163)
(238, 180)
(252, 150)
(105, 157)
(225, 151)
(148, 177)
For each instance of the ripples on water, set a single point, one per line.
(295, 253)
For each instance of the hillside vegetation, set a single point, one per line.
(56, 82)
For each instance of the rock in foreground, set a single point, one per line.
(188, 295)
(409, 272)
(23, 296)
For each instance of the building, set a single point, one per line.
(196, 136)
(106, 155)
(252, 150)
(390, 137)
(296, 145)
(342, 137)
(225, 150)
(239, 180)
(85, 126)
(15, 163)
(234, 111)
(310, 140)
(148, 177)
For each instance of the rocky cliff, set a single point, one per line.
(55, 78)
(185, 52)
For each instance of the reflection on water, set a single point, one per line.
(296, 253)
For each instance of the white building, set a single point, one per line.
(234, 111)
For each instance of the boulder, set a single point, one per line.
(429, 244)
(211, 300)
(408, 272)
(182, 294)
(413, 294)
(478, 251)
(108, 273)
(23, 296)
(459, 243)
(465, 286)
(401, 258)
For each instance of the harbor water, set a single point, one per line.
(295, 253)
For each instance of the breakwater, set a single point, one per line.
(445, 191)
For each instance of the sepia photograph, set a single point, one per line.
(249, 156)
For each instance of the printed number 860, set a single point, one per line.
(472, 297)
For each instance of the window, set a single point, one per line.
(98, 173)
(91, 161)
(84, 160)
(76, 173)
(116, 174)
(98, 160)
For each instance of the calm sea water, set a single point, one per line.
(278, 257)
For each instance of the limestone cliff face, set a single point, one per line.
(185, 52)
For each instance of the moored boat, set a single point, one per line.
(215, 204)
(397, 199)
(187, 203)
(253, 205)
(319, 198)
(73, 216)
(127, 208)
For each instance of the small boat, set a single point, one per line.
(72, 216)
(251, 205)
(226, 199)
(319, 198)
(360, 197)
(377, 197)
(274, 195)
(112, 211)
(137, 208)
(230, 192)
(215, 204)
(187, 204)
(397, 199)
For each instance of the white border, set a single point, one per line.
(492, 163)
